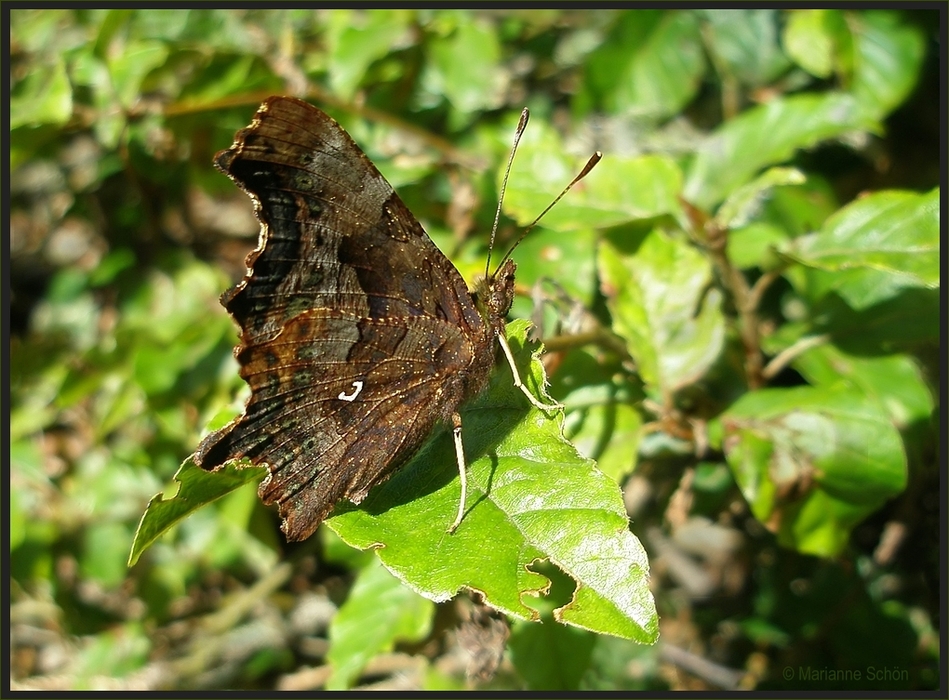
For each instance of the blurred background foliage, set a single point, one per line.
(751, 352)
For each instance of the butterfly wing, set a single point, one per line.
(334, 234)
(337, 404)
(357, 334)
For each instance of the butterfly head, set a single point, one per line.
(494, 295)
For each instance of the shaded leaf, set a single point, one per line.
(813, 462)
(895, 382)
(609, 433)
(897, 323)
(601, 418)
(551, 657)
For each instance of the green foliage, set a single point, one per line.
(874, 248)
(744, 344)
(654, 294)
(378, 611)
(196, 489)
(813, 461)
(770, 134)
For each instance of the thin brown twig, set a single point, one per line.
(786, 356)
(762, 284)
(745, 302)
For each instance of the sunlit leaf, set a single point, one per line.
(530, 497)
(660, 302)
(196, 489)
(617, 190)
(819, 41)
(874, 247)
(888, 55)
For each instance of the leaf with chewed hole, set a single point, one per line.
(531, 497)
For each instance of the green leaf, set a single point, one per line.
(895, 382)
(813, 462)
(745, 43)
(665, 71)
(819, 41)
(547, 254)
(43, 97)
(651, 66)
(551, 657)
(873, 248)
(196, 489)
(801, 209)
(601, 418)
(888, 58)
(875, 53)
(745, 202)
(786, 211)
(619, 664)
(114, 653)
(129, 68)
(19, 513)
(609, 433)
(102, 551)
(754, 245)
(378, 612)
(897, 323)
(356, 39)
(516, 513)
(469, 85)
(659, 299)
(530, 497)
(768, 135)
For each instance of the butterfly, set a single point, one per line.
(357, 335)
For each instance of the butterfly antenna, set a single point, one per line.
(521, 125)
(594, 159)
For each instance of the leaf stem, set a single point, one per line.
(784, 358)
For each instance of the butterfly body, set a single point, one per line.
(357, 334)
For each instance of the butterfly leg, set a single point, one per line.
(462, 469)
(517, 378)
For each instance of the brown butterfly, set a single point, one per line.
(357, 334)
